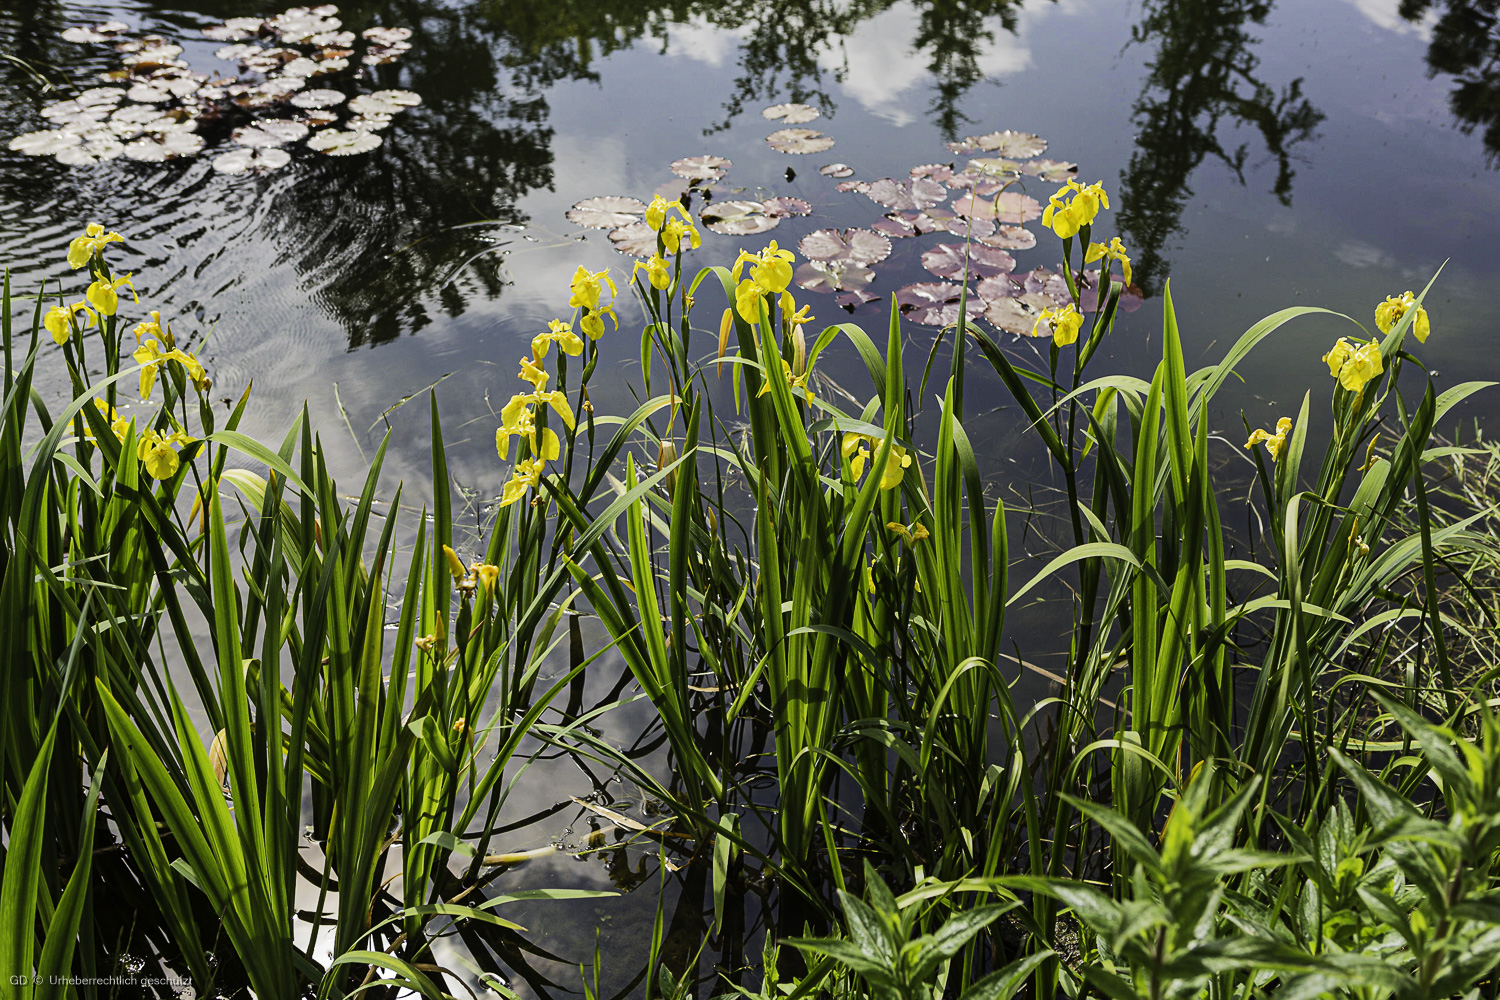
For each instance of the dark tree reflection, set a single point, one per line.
(1466, 46)
(1202, 85)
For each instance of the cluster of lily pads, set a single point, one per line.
(974, 204)
(156, 107)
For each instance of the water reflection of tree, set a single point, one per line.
(1466, 45)
(1203, 77)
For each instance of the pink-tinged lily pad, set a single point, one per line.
(856, 246)
(341, 142)
(1015, 145)
(931, 303)
(854, 298)
(939, 172)
(1045, 281)
(636, 239)
(830, 276)
(1018, 314)
(606, 212)
(738, 218)
(914, 193)
(1051, 171)
(999, 286)
(836, 170)
(251, 160)
(791, 114)
(798, 141)
(948, 260)
(105, 32)
(701, 168)
(1010, 238)
(49, 142)
(784, 208)
(1088, 292)
(1009, 208)
(847, 186)
(895, 225)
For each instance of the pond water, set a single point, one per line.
(1258, 154)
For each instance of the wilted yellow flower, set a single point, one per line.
(1062, 324)
(911, 535)
(1073, 207)
(857, 448)
(797, 383)
(1390, 312)
(1274, 442)
(1114, 251)
(792, 317)
(85, 247)
(559, 333)
(1354, 365)
(528, 473)
(656, 270)
(489, 580)
(104, 295)
(59, 320)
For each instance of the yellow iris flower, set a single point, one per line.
(660, 208)
(518, 419)
(84, 248)
(104, 295)
(797, 383)
(159, 454)
(747, 301)
(528, 473)
(1274, 442)
(771, 269)
(59, 320)
(117, 423)
(1114, 251)
(858, 448)
(1073, 207)
(1354, 365)
(674, 232)
(153, 355)
(657, 272)
(154, 327)
(587, 286)
(1391, 311)
(1063, 324)
(533, 373)
(558, 333)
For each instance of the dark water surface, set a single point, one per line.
(1260, 154)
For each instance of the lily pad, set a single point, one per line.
(1051, 171)
(637, 239)
(738, 218)
(384, 102)
(342, 142)
(370, 123)
(855, 246)
(836, 170)
(783, 208)
(791, 114)
(100, 97)
(829, 276)
(234, 29)
(913, 193)
(275, 132)
(999, 286)
(859, 186)
(948, 260)
(104, 32)
(332, 39)
(1018, 314)
(853, 299)
(939, 172)
(155, 148)
(1010, 238)
(1009, 208)
(247, 159)
(238, 52)
(386, 36)
(895, 225)
(380, 55)
(317, 99)
(48, 142)
(1016, 145)
(701, 168)
(91, 152)
(607, 212)
(931, 303)
(798, 141)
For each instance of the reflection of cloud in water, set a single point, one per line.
(878, 65)
(1386, 14)
(700, 41)
(1357, 254)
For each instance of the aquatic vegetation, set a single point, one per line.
(157, 107)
